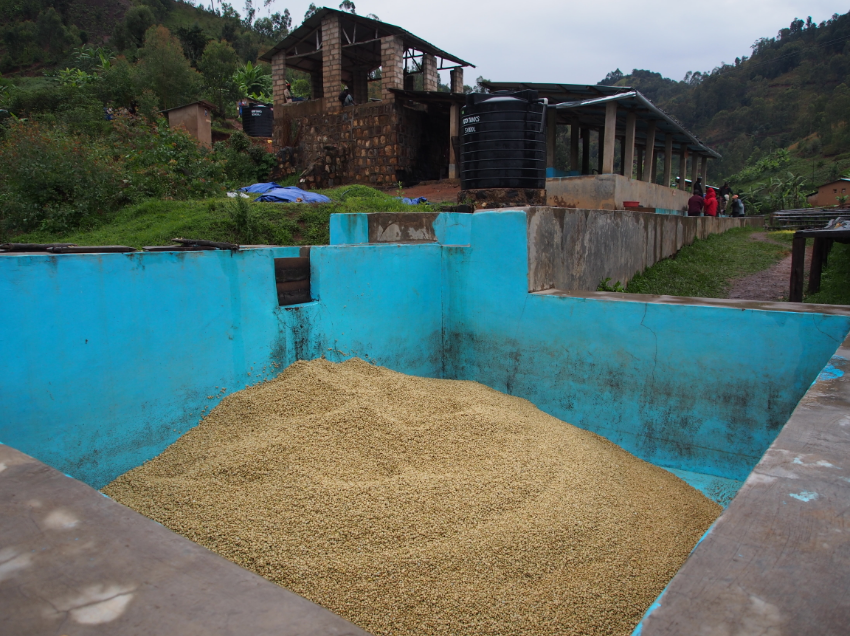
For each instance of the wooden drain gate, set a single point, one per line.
(292, 276)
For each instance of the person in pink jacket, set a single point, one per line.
(710, 203)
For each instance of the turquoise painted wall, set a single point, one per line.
(109, 358)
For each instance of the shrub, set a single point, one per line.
(53, 181)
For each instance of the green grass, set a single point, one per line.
(156, 222)
(835, 279)
(708, 268)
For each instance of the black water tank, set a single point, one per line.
(503, 141)
(257, 120)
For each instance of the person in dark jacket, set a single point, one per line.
(698, 186)
(710, 203)
(737, 206)
(725, 194)
(695, 205)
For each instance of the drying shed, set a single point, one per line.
(405, 135)
(630, 133)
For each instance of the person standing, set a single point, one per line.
(710, 203)
(698, 186)
(737, 206)
(695, 205)
(725, 193)
(287, 93)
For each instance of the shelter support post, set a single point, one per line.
(456, 79)
(609, 137)
(820, 250)
(705, 170)
(600, 149)
(629, 152)
(278, 78)
(683, 168)
(551, 136)
(454, 140)
(430, 78)
(798, 260)
(649, 158)
(574, 138)
(392, 65)
(694, 170)
(640, 154)
(668, 159)
(331, 56)
(585, 151)
(621, 141)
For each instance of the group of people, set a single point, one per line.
(714, 203)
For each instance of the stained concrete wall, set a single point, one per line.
(576, 249)
(608, 191)
(109, 358)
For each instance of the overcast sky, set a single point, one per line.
(580, 42)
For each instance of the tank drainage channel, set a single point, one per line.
(292, 277)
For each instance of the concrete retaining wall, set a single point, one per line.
(608, 191)
(109, 358)
(576, 249)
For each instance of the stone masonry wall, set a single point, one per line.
(373, 144)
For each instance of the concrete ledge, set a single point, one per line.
(609, 191)
(731, 303)
(777, 560)
(75, 562)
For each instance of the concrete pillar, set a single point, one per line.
(430, 79)
(609, 136)
(585, 150)
(649, 160)
(694, 170)
(621, 141)
(278, 78)
(331, 57)
(360, 85)
(392, 65)
(629, 153)
(551, 132)
(574, 138)
(705, 171)
(456, 79)
(639, 163)
(683, 167)
(600, 149)
(668, 159)
(454, 132)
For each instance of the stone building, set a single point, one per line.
(830, 193)
(405, 135)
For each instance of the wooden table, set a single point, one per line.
(822, 244)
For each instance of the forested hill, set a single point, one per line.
(792, 92)
(40, 35)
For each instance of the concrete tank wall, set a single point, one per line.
(576, 249)
(608, 191)
(109, 358)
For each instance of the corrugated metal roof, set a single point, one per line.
(581, 96)
(315, 21)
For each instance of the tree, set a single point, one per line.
(311, 11)
(137, 21)
(218, 66)
(164, 70)
(194, 41)
(275, 27)
(612, 78)
(254, 80)
(348, 5)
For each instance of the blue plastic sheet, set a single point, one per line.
(415, 201)
(260, 188)
(291, 195)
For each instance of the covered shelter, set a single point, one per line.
(630, 133)
(379, 140)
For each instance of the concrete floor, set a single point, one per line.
(73, 562)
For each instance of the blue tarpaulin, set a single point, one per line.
(260, 188)
(415, 201)
(291, 195)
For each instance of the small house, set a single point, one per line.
(828, 194)
(195, 118)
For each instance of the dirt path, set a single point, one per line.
(435, 191)
(770, 284)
